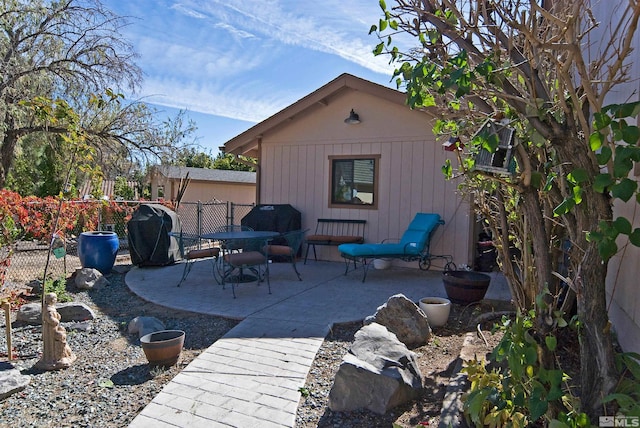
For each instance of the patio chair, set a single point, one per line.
(289, 248)
(237, 263)
(414, 245)
(190, 256)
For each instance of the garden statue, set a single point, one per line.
(56, 354)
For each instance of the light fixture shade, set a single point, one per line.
(353, 118)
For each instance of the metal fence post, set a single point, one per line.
(199, 217)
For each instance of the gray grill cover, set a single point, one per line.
(148, 233)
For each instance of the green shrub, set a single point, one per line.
(58, 286)
(525, 386)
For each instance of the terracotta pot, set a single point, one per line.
(436, 309)
(464, 287)
(162, 348)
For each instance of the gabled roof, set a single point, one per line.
(206, 174)
(246, 143)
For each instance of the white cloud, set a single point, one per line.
(218, 57)
(234, 31)
(216, 99)
(335, 27)
(199, 62)
(187, 11)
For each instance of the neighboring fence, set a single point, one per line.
(197, 218)
(30, 257)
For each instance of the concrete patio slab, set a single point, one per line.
(252, 375)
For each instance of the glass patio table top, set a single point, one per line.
(240, 234)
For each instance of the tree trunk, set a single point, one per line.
(7, 152)
(597, 367)
(597, 370)
(540, 244)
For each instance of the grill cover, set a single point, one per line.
(274, 218)
(148, 233)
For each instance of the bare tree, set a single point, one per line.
(523, 63)
(71, 50)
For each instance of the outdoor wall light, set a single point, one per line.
(353, 118)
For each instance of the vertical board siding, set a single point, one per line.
(410, 181)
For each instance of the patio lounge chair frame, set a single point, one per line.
(414, 245)
(289, 249)
(193, 255)
(254, 258)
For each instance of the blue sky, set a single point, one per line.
(233, 63)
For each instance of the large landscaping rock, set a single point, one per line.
(403, 318)
(89, 279)
(31, 313)
(378, 373)
(144, 325)
(11, 380)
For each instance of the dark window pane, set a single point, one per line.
(353, 181)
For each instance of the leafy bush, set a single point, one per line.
(526, 385)
(58, 286)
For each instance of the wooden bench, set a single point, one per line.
(333, 231)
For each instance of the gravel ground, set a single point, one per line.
(111, 382)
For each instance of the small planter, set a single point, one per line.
(98, 250)
(437, 310)
(381, 264)
(465, 287)
(163, 348)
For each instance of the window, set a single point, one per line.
(354, 181)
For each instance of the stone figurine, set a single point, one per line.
(56, 354)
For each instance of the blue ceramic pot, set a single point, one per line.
(98, 250)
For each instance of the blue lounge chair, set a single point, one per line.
(414, 245)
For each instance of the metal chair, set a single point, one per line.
(414, 245)
(196, 254)
(254, 261)
(289, 251)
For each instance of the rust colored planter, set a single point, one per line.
(163, 348)
(464, 287)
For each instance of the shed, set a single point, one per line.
(205, 184)
(383, 167)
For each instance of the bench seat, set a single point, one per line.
(335, 232)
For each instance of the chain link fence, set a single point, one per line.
(30, 257)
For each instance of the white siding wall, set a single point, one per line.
(295, 170)
(624, 269)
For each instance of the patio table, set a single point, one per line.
(239, 236)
